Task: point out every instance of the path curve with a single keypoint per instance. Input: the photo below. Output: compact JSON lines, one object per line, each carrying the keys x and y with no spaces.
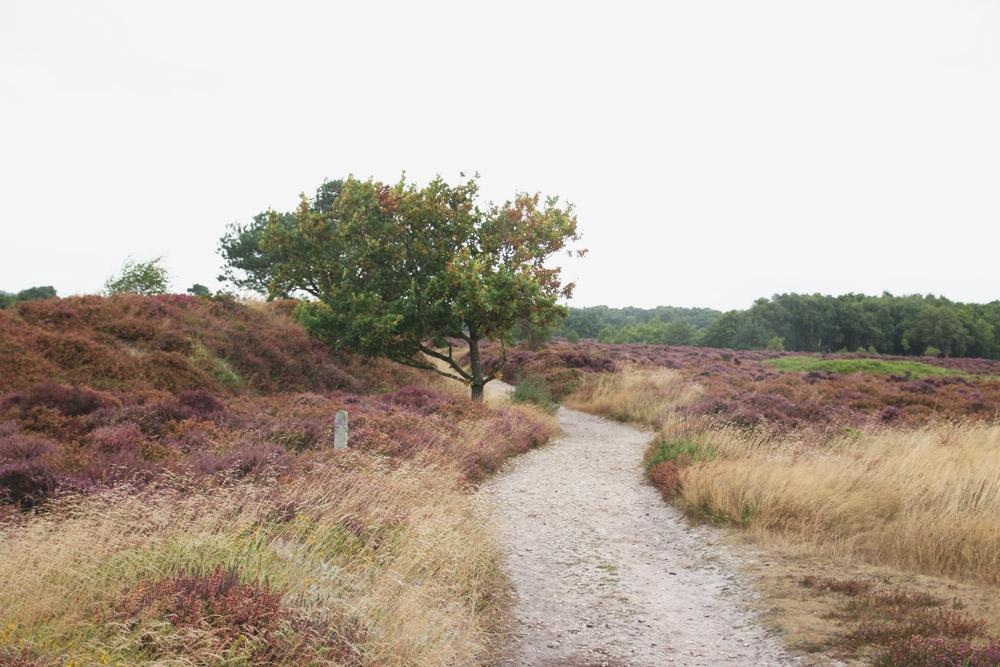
{"x":604,"y":572}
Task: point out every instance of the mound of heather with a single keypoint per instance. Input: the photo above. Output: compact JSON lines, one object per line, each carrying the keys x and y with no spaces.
{"x":170,"y":343}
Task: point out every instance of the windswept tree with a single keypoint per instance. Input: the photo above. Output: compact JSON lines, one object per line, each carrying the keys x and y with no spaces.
{"x":401,"y":272}
{"x":146,"y":278}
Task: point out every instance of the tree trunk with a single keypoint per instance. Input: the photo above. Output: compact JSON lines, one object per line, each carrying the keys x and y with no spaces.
{"x":475,"y":367}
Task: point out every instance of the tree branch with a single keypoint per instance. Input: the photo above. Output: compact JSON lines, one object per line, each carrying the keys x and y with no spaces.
{"x":429,"y":367}
{"x":447,"y":359}
{"x":501,"y":362}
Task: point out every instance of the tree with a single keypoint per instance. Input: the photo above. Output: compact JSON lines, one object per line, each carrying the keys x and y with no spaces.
{"x":7,"y":300}
{"x":248,"y":266}
{"x":532,"y":336}
{"x":146,"y":278}
{"x":40,"y":292}
{"x":199,"y":290}
{"x":401,"y":272}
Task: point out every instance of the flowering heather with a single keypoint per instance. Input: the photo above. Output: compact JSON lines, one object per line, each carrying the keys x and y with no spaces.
{"x":169,"y":491}
{"x":906,"y":628}
{"x":170,"y":342}
{"x":138,"y":438}
{"x":742,"y":390}
{"x":228,"y":614}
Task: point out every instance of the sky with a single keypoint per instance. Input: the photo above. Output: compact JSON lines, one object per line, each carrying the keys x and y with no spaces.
{"x":715,"y":151}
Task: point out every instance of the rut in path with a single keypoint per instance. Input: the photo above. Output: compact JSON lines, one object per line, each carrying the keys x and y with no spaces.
{"x":606,"y":573}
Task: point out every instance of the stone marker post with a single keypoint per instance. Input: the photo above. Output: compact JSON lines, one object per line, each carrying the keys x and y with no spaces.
{"x":340,"y":430}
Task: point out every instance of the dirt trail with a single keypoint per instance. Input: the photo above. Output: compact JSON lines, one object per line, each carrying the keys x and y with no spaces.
{"x":604,"y":572}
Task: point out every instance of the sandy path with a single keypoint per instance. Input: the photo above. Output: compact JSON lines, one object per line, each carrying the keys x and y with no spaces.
{"x":604,"y":572}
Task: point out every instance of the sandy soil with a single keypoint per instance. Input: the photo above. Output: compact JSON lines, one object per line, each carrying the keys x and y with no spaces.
{"x":604,"y":572}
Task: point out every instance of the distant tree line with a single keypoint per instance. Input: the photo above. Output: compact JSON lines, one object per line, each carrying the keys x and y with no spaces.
{"x":663,"y":325}
{"x":7,"y":299}
{"x":900,"y":325}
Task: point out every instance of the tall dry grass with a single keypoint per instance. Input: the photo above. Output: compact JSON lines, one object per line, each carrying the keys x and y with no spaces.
{"x":642,"y":395}
{"x":926,"y":500}
{"x":391,"y":558}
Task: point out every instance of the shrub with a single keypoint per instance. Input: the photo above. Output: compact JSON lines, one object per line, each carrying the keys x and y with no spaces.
{"x":16,"y":446}
{"x":667,"y":477}
{"x":533,"y":389}
{"x":682,"y":450}
{"x":415,"y":399}
{"x":69,"y":401}
{"x":27,"y":484}
{"x":19,"y":659}
{"x":889,"y":414}
{"x":145,"y":278}
{"x":201,"y":403}
{"x":933,"y":651}
{"x":217,"y":600}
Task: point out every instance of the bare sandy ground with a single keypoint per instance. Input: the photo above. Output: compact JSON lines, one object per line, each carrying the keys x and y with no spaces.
{"x":604,"y":572}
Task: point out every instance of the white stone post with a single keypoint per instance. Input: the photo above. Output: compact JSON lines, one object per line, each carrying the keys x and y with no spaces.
{"x":340,"y":430}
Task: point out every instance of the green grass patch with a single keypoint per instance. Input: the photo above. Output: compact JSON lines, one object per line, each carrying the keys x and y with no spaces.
{"x":684,"y":449}
{"x":846,"y":366}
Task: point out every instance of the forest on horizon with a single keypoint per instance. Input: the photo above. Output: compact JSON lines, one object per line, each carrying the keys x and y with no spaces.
{"x":912,"y":325}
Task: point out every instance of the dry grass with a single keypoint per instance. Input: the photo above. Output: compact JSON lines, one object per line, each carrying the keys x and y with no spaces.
{"x":496,"y":394}
{"x":393,"y":561}
{"x":808,"y":619}
{"x":926,"y":500}
{"x":642,"y":395}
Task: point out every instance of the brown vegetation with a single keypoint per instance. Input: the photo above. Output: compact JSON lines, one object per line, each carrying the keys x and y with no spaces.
{"x":191,"y":509}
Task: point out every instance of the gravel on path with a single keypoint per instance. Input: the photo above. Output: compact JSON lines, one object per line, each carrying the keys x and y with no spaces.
{"x":606,"y":573}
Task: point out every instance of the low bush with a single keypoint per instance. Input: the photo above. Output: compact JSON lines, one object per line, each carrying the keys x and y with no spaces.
{"x":905,"y":627}
{"x":533,"y":389}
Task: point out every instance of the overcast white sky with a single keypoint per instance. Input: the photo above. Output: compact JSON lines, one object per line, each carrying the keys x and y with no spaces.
{"x":716,"y":151}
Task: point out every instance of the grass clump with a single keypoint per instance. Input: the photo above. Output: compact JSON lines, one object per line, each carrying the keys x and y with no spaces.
{"x":667,"y":459}
{"x":533,"y":389}
{"x":635,"y":394}
{"x":913,"y":369}
{"x":925,"y":500}
{"x":683,"y":449}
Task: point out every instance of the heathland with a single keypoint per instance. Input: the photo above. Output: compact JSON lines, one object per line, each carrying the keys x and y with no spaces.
{"x":169,"y":493}
{"x":875,"y":480}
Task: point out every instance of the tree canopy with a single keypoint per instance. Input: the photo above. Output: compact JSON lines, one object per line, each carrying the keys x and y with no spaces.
{"x":7,"y":299}
{"x":903,"y":325}
{"x":146,"y":278}
{"x":248,"y":266}
{"x":403,"y":272}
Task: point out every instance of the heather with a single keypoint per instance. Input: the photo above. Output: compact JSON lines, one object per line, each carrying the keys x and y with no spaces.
{"x":49,"y":444}
{"x":170,"y":493}
{"x":753,"y":389}
{"x":901,"y":627}
{"x":170,"y":342}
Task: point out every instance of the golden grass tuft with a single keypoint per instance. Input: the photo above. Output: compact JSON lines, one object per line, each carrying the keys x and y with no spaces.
{"x":639,"y":395}
{"x":927,"y":500}
{"x":391,"y":557}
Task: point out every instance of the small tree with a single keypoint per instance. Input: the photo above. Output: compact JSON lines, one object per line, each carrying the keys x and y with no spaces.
{"x":146,"y":278}
{"x":198,"y":290}
{"x":401,"y":272}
